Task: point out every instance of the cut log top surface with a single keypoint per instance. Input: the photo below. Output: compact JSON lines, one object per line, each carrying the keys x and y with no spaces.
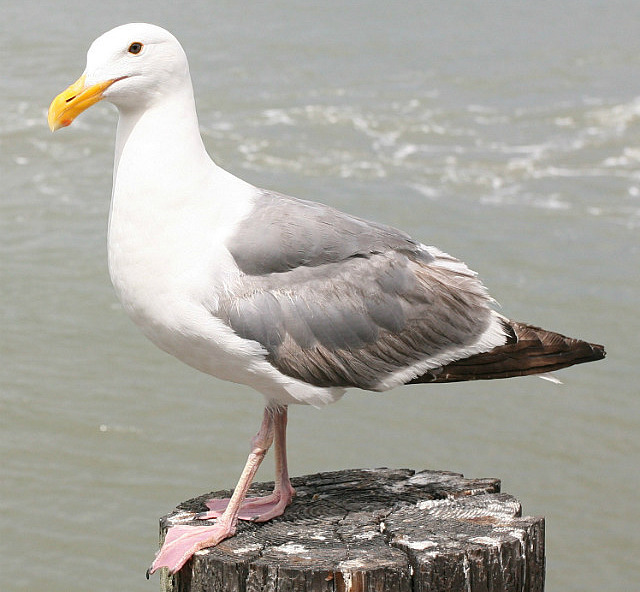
{"x":392,"y":530}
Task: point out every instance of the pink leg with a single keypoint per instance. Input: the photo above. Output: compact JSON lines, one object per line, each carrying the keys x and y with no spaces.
{"x":261,"y":509}
{"x":182,"y":541}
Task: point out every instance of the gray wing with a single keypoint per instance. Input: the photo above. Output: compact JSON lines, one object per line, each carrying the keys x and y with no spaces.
{"x":338,"y":301}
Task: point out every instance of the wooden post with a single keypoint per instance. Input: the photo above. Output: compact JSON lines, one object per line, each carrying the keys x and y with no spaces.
{"x":386,"y":530}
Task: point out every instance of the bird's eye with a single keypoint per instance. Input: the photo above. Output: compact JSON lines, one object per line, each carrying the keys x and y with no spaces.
{"x":135,"y":47}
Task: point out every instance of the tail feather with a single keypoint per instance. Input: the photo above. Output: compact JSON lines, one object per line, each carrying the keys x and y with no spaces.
{"x":529,"y":350}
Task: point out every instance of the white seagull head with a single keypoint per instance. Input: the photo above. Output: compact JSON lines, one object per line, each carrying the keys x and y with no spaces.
{"x":131,"y":66}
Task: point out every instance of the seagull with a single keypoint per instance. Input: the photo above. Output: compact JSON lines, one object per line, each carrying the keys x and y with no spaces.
{"x":293,"y":298}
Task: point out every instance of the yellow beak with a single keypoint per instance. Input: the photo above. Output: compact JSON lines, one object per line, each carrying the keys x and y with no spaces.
{"x":73,"y":101}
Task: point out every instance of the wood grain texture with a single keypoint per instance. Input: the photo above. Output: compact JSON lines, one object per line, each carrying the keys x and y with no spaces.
{"x":386,"y":530}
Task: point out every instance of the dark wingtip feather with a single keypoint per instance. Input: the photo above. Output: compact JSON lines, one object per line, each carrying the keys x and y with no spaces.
{"x":528,"y":350}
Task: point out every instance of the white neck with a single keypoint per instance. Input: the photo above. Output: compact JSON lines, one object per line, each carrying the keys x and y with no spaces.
{"x":162,"y":140}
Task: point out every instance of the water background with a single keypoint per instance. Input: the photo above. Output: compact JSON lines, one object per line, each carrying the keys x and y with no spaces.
{"x":505,"y":133}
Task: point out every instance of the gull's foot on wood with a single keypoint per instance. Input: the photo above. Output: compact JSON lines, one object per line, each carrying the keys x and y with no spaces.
{"x":254,"y":509}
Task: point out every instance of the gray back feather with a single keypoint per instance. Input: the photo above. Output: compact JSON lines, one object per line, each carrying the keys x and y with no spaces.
{"x":282,"y":233}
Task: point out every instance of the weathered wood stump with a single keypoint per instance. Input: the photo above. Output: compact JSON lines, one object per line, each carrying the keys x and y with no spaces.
{"x":385,"y":530}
